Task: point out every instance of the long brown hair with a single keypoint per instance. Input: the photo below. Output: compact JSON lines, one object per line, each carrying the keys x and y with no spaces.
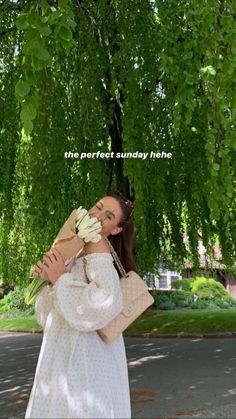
{"x":124,"y":242}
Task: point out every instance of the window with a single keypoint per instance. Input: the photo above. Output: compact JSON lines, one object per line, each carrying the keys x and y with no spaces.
{"x":163,"y":281}
{"x":174,"y":277}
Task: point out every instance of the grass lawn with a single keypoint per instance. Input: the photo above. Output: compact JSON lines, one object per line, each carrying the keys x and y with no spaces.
{"x":161,"y":322}
{"x":20,"y":324}
{"x":185,"y":321}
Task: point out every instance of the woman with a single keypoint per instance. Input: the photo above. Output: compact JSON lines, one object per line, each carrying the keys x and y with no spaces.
{"x":78,"y":375}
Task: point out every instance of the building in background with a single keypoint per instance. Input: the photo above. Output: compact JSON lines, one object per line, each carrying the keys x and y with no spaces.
{"x":210,"y":266}
{"x":162,"y":280}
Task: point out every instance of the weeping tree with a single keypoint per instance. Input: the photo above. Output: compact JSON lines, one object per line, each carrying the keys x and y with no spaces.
{"x":118,"y":76}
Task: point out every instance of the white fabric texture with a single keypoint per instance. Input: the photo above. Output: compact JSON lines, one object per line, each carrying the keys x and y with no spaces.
{"x":77,"y":374}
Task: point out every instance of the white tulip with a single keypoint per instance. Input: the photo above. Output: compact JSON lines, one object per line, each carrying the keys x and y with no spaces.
{"x":81,"y":212}
{"x":96,"y":238}
{"x":87,"y":227}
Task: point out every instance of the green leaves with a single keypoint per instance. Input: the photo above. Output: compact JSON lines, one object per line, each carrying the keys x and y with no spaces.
{"x":22,"y":21}
{"x":28,"y":112}
{"x":129,"y":78}
{"x":65,"y":36}
{"x":65,"y":33}
{"x":28,"y":126}
{"x":34,"y":19}
{"x":42,"y":28}
{"x":208,"y":71}
{"x":45,"y":30}
{"x":42,"y":54}
{"x":22,"y":89}
{"x":30,"y":76}
{"x":216,"y":167}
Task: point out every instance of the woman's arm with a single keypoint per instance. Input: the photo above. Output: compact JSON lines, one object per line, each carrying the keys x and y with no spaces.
{"x":89,"y":306}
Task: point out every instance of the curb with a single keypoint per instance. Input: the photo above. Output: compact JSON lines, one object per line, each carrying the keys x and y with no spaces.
{"x":180,"y":335}
{"x":20,"y":331}
{"x":183,"y":335}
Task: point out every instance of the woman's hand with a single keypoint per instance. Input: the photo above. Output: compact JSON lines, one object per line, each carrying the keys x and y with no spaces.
{"x":53,"y":266}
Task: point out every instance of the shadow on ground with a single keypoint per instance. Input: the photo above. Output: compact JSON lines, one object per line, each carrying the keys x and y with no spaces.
{"x":169,"y":378}
{"x":18,"y":360}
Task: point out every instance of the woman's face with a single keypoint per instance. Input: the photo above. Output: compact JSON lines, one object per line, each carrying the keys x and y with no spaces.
{"x":108,"y":211}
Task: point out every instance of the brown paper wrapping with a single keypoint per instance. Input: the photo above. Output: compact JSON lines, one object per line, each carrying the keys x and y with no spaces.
{"x":67,"y":242}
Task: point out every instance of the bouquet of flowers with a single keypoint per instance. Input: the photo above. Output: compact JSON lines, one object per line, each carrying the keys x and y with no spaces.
{"x":78,"y":229}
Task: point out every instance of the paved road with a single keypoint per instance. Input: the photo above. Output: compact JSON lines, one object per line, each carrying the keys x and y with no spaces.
{"x":169,"y":378}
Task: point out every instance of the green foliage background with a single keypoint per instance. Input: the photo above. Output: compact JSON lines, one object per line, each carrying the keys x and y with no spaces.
{"x":119,"y":76}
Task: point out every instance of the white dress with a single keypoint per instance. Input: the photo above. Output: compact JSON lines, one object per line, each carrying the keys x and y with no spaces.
{"x":78,"y":375}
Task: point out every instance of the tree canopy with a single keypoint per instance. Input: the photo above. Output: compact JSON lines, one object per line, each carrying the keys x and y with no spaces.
{"x":118,"y":76}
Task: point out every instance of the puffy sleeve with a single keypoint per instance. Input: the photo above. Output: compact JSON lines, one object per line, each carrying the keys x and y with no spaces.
{"x":43,"y":305}
{"x":89,"y":306}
